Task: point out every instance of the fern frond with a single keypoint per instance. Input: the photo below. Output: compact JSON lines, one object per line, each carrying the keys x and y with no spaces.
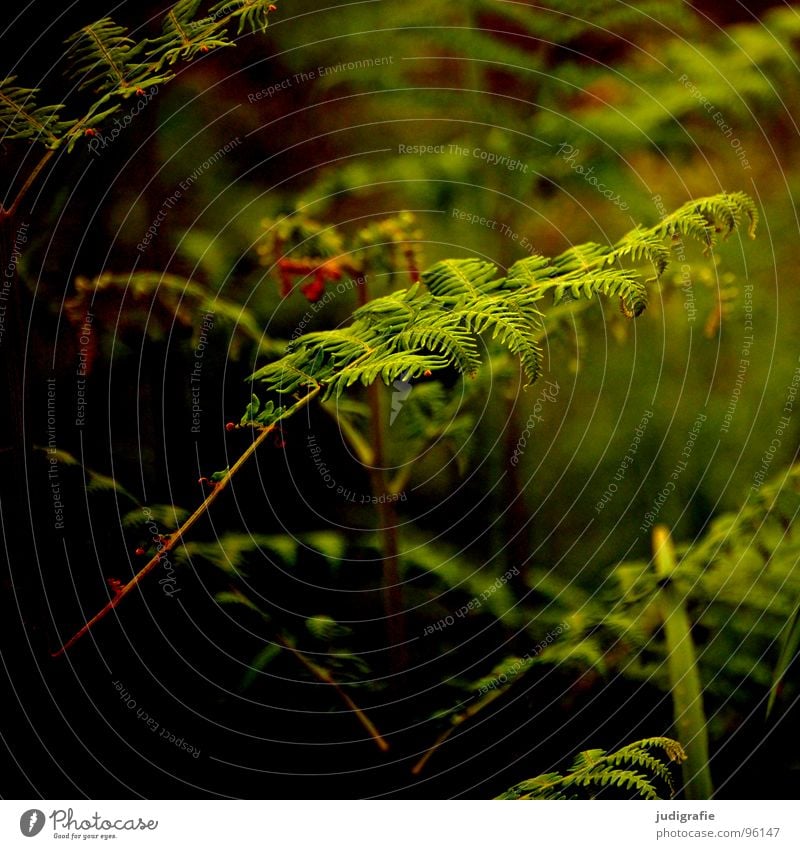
{"x":399,"y":308}
{"x":708,"y":218}
{"x":251,"y":14}
{"x":582,"y":258}
{"x":585,"y":270}
{"x":621,"y":282}
{"x":530,"y":271}
{"x":633,"y":769}
{"x":184,"y":36}
{"x":340,"y":345}
{"x":637,"y":755}
{"x":643,"y":244}
{"x":435,"y":323}
{"x":21,"y":118}
{"x":726,"y":212}
{"x":104,"y":57}
{"x":588,"y":759}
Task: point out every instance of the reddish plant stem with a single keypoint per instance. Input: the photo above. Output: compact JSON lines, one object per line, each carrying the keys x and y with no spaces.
{"x":25,"y":188}
{"x":411,"y":261}
{"x":387,"y":533}
{"x":387,"y":522}
{"x":181,"y":532}
{"x":476,"y":707}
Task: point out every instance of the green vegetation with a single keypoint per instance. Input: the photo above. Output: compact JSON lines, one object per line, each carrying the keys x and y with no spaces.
{"x":422,"y":362}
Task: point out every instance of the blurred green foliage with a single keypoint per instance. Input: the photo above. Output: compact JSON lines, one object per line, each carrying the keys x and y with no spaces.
{"x":496,"y":124}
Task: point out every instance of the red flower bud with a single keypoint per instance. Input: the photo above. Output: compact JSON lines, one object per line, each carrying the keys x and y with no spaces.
{"x":139,"y":551}
{"x":314,"y":289}
{"x":230,"y":426}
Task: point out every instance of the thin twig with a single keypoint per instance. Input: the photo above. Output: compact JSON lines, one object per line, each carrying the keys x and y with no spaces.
{"x":325,"y":676}
{"x":473,"y":709}
{"x":12,"y":210}
{"x":178,"y":535}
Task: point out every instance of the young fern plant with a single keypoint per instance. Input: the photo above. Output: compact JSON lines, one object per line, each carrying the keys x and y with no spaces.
{"x":633,"y":772}
{"x":441,"y":322}
{"x":699,"y":621}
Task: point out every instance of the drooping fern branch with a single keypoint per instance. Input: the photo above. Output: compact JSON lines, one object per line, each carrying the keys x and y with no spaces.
{"x":633,"y":771}
{"x":106,"y":60}
{"x":438,"y":322}
{"x":216,"y":488}
{"x":177,"y":299}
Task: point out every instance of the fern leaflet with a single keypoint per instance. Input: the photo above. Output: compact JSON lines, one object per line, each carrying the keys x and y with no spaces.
{"x":21,"y":118}
{"x":184,"y":36}
{"x":105,"y":57}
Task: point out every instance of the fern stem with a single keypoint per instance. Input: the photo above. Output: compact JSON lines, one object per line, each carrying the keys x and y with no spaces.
{"x":387,"y":534}
{"x":181,"y":532}
{"x":325,"y":676}
{"x":25,"y":188}
{"x":687,"y":693}
{"x":474,"y":708}
{"x":437,"y":743}
{"x":387,"y":519}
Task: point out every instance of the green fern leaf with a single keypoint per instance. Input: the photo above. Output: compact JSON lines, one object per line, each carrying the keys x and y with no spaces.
{"x":414,"y":331}
{"x":513,"y":320}
{"x":449,"y":336}
{"x":585,"y":270}
{"x":634,"y":770}
{"x":453,"y":278}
